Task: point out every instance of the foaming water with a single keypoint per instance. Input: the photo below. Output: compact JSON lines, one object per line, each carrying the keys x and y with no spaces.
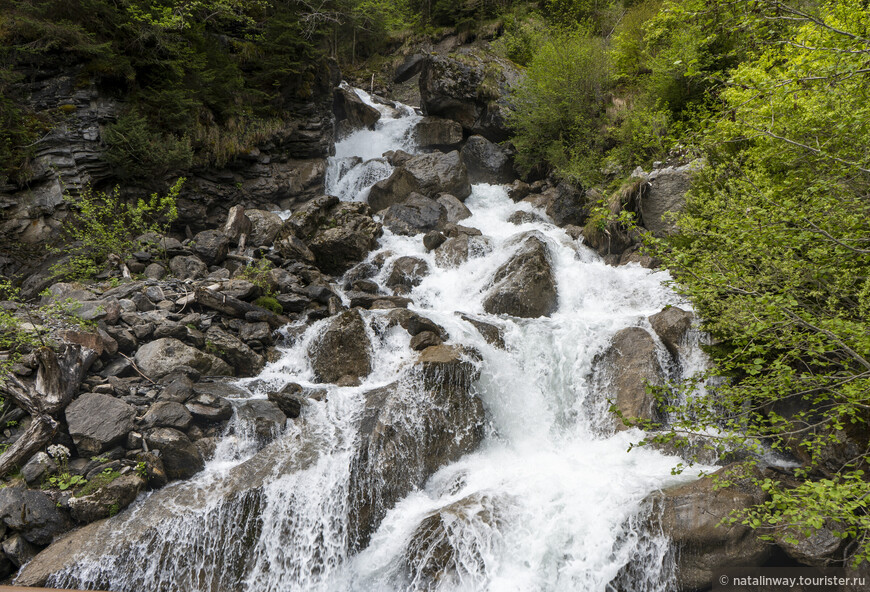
{"x":550,"y":501}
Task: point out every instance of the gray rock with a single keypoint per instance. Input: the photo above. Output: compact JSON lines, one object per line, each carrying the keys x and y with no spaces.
{"x":427,"y":174}
{"x":566,"y":205}
{"x":671,"y":325}
{"x":209,"y":408}
{"x":415,"y":215}
{"x":414,"y":323}
{"x":97,"y":422}
{"x":167,"y":414}
{"x":349,"y":107}
{"x":211,"y":246}
{"x":456,"y":210}
{"x":237,"y":224}
{"x":267,"y":417}
{"x":32,"y":514}
{"x":524,"y":286}
{"x":629,"y":364}
{"x":180,"y":457}
{"x":436,"y":132}
{"x":264,"y":227}
{"x":342,"y":349}
{"x":491,"y":334}
{"x":19,"y":550}
{"x":107,"y":500}
{"x":690,"y":515}
{"x":188,"y":267}
{"x":159,"y":358}
{"x":470,"y":89}
{"x":822,"y":548}
{"x":433,"y":239}
{"x":487,"y":162}
{"x":523,"y":217}
{"x":290,"y":247}
{"x":425,"y":339}
{"x":244,"y":360}
{"x":38,"y":468}
{"x":666,"y":193}
{"x":289,"y":399}
{"x":407,"y":272}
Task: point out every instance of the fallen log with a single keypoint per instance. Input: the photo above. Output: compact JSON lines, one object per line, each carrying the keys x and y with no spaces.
{"x":234,"y":307}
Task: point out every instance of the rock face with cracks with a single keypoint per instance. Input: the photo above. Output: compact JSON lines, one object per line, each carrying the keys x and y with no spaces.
{"x":525,"y":286}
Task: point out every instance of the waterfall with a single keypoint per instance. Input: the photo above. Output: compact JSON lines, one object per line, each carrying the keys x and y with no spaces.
{"x":550,"y":501}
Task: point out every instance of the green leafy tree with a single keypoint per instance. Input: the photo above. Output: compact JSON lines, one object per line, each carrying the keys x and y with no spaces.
{"x":774,"y":253}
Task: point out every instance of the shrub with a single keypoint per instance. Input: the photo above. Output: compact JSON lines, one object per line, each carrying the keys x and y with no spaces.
{"x":101,"y":225}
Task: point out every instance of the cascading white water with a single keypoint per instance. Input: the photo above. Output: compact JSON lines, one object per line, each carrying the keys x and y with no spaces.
{"x":550,"y":501}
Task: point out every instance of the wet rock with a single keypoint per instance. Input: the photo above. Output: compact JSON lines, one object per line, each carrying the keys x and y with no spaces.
{"x":415,"y":323}
{"x":671,"y":325}
{"x":244,"y":360}
{"x":264,"y":227}
{"x":167,"y":414}
{"x":433,"y":239}
{"x":435,"y":132}
{"x":432,"y":554}
{"x":427,"y":174}
{"x":454,"y":209}
{"x":459,"y":248}
{"x":398,"y":453}
{"x":407,"y":272}
{"x":415,"y":215}
{"x":630,"y":363}
{"x":366,"y":300}
{"x":38,"y":468}
{"x":524,"y":286}
{"x":180,"y":457}
{"x":487,"y":162}
{"x":425,"y":339}
{"x":188,"y":267}
{"x":107,"y":500}
{"x":349,"y":107}
{"x":158,"y":358}
{"x":267,"y":417}
{"x":211,"y":246}
{"x":490,"y":332}
{"x":523,"y":217}
{"x":289,"y":399}
{"x":32,"y":514}
{"x":519,"y":190}
{"x":690,"y":515}
{"x":342,"y":349}
{"x":96,"y":422}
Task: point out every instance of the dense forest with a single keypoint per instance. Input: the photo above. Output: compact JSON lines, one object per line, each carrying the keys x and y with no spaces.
{"x":772,"y":97}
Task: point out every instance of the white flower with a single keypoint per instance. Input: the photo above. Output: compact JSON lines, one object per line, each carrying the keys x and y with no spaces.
{"x":58,"y":451}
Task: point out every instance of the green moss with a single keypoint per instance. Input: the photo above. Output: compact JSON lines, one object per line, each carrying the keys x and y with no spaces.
{"x":269,"y":303}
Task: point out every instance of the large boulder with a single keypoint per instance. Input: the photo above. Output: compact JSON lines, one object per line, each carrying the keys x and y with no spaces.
{"x":181,"y":458}
{"x":338,"y":234}
{"x":32,"y":514}
{"x":428,"y":174}
{"x":525,"y":286}
{"x":456,"y":210}
{"x":107,"y":500}
{"x":487,"y":162}
{"x":167,"y":414}
{"x":471,"y":88}
{"x":211,"y":246}
{"x":264,"y":227}
{"x":96,"y":422}
{"x":397,"y":453}
{"x":665,"y":196}
{"x":158,"y":358}
{"x":671,"y":325}
{"x":415,"y":215}
{"x":691,"y":515}
{"x":349,"y":107}
{"x":407,"y":272}
{"x":265,"y":417}
{"x":342,"y":350}
{"x":436,"y":132}
{"x":244,"y":360}
{"x":628,"y":365}
{"x":566,"y":205}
